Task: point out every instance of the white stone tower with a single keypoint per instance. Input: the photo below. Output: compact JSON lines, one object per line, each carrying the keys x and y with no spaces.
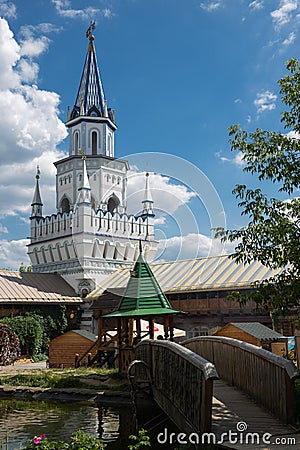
{"x":90,"y":235}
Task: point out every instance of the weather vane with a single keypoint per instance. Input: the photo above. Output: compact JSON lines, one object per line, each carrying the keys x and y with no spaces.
{"x":90,"y":29}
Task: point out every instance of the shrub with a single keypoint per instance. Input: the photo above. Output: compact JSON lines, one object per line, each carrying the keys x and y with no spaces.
{"x":79,"y":441}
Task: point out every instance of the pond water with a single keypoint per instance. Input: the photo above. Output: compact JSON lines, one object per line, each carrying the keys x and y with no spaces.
{"x":23,"y":419}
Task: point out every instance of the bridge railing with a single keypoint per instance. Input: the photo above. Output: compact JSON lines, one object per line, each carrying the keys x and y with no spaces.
{"x":182,"y":383}
{"x":264,"y":376}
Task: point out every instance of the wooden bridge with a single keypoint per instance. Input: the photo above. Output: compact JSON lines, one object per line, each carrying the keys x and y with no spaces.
{"x":182,"y":379}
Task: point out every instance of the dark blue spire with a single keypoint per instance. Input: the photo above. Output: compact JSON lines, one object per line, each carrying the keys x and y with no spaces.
{"x":90,"y":92}
{"x":90,"y":100}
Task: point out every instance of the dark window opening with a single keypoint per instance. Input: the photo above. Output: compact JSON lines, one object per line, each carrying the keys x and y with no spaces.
{"x":94,"y":143}
{"x":65,"y":206}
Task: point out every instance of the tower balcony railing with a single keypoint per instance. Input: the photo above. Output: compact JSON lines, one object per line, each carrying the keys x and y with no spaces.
{"x":100,"y":222}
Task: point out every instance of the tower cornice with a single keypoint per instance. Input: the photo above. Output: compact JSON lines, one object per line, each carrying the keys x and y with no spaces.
{"x":80,"y":119}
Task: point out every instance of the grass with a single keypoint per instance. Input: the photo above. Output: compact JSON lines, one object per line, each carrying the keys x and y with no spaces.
{"x":86,"y":378}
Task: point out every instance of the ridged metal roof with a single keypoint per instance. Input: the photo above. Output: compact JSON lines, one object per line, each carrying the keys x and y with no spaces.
{"x":28,"y":287}
{"x":256,"y":329}
{"x":143,"y":295}
{"x":200,"y":274}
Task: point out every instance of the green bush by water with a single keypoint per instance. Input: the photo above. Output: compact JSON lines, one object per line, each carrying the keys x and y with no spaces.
{"x":82,"y":441}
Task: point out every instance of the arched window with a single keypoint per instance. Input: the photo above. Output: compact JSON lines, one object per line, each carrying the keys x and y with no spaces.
{"x":76,"y":142}
{"x":112,"y":203}
{"x":65,"y":205}
{"x":94,"y":143}
{"x":197,"y":331}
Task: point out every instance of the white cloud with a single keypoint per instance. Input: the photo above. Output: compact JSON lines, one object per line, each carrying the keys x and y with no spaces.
{"x":64,"y":9}
{"x":3,"y":229}
{"x":30,"y":131}
{"x":167,"y":195}
{"x":13,"y":253}
{"x":211,"y":6}
{"x":284,"y":13}
{"x":256,"y":4}
{"x":265,"y":101}
{"x":192,"y":245}
{"x":238,"y":100}
{"x":162,"y":220}
{"x":237,"y":160}
{"x":290,"y":39}
{"x":107,"y":13}
{"x":293,"y":135}
{"x":43,"y":27}
{"x":31,"y":42}
{"x":16,"y":198}
{"x":10,"y":55}
{"x":8,"y":9}
{"x":34,"y":47}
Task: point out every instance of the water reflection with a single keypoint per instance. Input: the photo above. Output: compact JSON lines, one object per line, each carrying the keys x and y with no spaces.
{"x":22,"y":419}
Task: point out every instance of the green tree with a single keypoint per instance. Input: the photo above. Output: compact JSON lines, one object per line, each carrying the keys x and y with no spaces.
{"x":29,"y":330}
{"x":272,"y":235}
{"x":36,"y":328}
{"x":24,"y":268}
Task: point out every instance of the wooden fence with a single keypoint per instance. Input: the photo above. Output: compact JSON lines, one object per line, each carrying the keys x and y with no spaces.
{"x":182,"y":383}
{"x":266,"y":377}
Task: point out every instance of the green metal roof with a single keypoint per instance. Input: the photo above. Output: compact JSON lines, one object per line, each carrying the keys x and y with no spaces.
{"x":143,"y":295}
{"x":257,"y":330}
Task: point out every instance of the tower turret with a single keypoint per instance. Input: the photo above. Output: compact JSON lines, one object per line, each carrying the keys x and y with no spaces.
{"x":147,"y":202}
{"x":91,"y":124}
{"x":37,"y":204}
{"x":90,"y":235}
{"x":85,"y":189}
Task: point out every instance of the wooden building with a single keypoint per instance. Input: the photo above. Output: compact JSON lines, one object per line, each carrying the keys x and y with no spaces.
{"x":21,"y":292}
{"x":254,"y":333}
{"x":63,"y":349}
{"x":200,"y":288}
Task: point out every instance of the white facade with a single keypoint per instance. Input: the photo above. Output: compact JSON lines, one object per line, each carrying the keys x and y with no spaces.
{"x":90,"y":235}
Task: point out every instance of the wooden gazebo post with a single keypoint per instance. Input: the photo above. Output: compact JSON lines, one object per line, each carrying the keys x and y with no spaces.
{"x":143,"y":298}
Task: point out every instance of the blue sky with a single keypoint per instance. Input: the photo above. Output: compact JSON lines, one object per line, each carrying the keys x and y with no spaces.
{"x":177,"y":73}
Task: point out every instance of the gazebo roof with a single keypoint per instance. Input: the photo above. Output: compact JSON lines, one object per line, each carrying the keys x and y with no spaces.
{"x":143,"y":295}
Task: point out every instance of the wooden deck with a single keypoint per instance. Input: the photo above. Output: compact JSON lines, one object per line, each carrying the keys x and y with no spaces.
{"x":231,"y":406}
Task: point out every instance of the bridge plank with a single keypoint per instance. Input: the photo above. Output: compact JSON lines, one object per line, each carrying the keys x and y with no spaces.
{"x":231,"y":406}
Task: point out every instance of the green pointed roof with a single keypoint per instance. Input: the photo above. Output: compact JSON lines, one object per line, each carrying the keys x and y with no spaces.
{"x":143,"y":295}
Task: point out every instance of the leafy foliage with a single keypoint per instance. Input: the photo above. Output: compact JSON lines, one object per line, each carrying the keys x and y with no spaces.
{"x":82,"y":441}
{"x":79,"y":441}
{"x":37,"y":328}
{"x":24,"y":268}
{"x":272,"y":235}
{"x":29,"y":330}
{"x":141,"y":440}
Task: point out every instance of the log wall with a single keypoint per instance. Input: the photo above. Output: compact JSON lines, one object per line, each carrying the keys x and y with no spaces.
{"x":62,"y":350}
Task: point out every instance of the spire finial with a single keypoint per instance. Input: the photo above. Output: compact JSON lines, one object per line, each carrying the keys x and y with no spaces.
{"x":90,"y":36}
{"x":89,"y":31}
{"x":38,"y":172}
{"x":141,"y":248}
